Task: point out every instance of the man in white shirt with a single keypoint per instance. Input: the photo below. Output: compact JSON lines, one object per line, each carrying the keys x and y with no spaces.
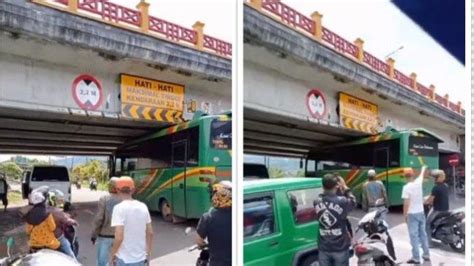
{"x":133,"y":231}
{"x":414,"y":214}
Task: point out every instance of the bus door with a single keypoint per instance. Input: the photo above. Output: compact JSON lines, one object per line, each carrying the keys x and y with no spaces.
{"x":381,"y":161}
{"x":178,"y":185}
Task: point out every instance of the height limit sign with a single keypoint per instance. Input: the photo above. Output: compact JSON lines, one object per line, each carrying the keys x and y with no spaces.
{"x":87,"y":92}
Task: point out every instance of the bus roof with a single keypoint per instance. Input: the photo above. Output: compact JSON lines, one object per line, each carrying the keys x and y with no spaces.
{"x":264,"y":185}
{"x":390,"y":134}
{"x":199,"y":116}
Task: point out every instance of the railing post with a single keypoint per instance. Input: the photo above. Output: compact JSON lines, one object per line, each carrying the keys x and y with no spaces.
{"x":318,"y":26}
{"x":143,"y":7}
{"x":432,"y":90}
{"x":459,"y":107}
{"x":447,"y":100}
{"x":257,"y":4}
{"x":391,"y":67}
{"x":360,"y":49}
{"x":72,"y":5}
{"x":413,"y":81}
{"x":199,"y":28}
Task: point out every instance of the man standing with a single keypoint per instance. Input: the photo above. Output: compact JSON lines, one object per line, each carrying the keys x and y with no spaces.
{"x":413,"y":212}
{"x":374,"y":195}
{"x":331,"y":212}
{"x":216,"y":226}
{"x":439,"y":198}
{"x":133,"y":231}
{"x":102,"y":232}
{"x":4,"y":191}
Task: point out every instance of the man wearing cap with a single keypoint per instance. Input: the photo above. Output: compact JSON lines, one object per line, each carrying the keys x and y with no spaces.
{"x":439,"y":199}
{"x":133,"y":232}
{"x":374,"y":195}
{"x":414,"y":214}
{"x":102,"y":232}
{"x":331,"y":212}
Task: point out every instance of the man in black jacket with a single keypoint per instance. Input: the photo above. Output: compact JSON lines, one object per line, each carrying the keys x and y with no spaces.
{"x":331,"y":212}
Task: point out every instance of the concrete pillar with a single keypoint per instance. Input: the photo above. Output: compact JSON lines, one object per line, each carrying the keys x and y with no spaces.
{"x":413,"y":81}
{"x":391,"y":67}
{"x":72,"y":5}
{"x":143,"y":7}
{"x":257,"y":4}
{"x":433,"y":94}
{"x":318,"y":26}
{"x":199,"y":28}
{"x":447,"y":100}
{"x":360,"y":46}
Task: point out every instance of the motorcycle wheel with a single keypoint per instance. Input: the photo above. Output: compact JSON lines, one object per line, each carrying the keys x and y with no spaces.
{"x":459,"y":245}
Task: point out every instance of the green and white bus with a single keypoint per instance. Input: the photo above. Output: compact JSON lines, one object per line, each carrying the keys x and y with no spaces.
{"x":389,"y":153}
{"x":173,"y":168}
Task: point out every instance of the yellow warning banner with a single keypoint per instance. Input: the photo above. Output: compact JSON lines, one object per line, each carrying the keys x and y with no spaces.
{"x":358,"y":114}
{"x":151,"y":93}
{"x":151,"y":113}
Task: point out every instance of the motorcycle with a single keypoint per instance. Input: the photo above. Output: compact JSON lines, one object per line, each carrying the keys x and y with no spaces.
{"x":93,"y":185}
{"x":203,"y":259}
{"x":376,"y":247}
{"x":449,"y":229}
{"x":41,"y":257}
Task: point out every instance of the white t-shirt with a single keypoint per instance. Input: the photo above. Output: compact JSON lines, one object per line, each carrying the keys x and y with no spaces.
{"x":414,"y":192}
{"x":134,"y":216}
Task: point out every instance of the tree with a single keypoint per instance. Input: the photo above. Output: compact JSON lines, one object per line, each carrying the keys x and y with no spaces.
{"x":276,"y":172}
{"x":11,"y":170}
{"x":93,"y":168}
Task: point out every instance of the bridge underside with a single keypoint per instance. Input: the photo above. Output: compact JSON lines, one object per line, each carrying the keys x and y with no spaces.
{"x":269,"y":133}
{"x":48,"y":133}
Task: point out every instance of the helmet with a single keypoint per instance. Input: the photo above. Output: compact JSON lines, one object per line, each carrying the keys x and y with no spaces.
{"x":222,"y":194}
{"x":55,"y":198}
{"x":36,"y":197}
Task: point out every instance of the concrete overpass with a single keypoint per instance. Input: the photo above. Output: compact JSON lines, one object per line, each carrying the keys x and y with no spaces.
{"x":49,"y":46}
{"x":287,"y":55}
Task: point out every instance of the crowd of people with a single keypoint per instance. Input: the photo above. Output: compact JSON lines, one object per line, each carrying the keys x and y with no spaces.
{"x":337,"y":201}
{"x":122,"y":228}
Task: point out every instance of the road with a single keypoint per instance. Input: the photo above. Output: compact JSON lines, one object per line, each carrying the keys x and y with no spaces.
{"x":169,"y":245}
{"x":441,"y":255}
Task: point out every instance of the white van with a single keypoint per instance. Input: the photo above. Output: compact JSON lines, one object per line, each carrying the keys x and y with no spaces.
{"x":55,"y":177}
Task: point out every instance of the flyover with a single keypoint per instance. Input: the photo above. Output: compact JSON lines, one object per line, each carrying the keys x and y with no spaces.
{"x":295,"y":71}
{"x":64,"y":70}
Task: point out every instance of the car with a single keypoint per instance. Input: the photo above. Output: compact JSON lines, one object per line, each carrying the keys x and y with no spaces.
{"x":280,"y":225}
{"x":53,"y":176}
{"x":255,"y":171}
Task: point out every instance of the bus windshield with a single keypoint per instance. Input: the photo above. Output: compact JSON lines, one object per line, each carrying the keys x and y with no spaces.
{"x":221,"y":135}
{"x":421,"y":146}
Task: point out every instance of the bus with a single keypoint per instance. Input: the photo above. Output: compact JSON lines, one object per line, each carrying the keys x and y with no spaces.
{"x":174,"y":168}
{"x":389,"y":153}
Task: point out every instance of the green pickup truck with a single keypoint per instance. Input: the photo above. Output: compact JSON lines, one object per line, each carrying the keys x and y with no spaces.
{"x":280,"y":226}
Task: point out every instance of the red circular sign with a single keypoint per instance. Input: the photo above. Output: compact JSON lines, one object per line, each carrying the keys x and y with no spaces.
{"x":87,"y":92}
{"x":316,"y":104}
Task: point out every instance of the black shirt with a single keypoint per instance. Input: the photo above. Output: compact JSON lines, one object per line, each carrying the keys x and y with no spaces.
{"x":331,"y":212}
{"x":440,"y":192}
{"x":216,"y":226}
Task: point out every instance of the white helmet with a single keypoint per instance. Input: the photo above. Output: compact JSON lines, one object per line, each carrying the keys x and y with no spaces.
{"x":36,"y":197}
{"x":371,"y":172}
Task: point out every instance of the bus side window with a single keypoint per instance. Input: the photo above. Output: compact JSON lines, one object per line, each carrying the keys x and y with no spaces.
{"x":193,"y":147}
{"x":118,"y":166}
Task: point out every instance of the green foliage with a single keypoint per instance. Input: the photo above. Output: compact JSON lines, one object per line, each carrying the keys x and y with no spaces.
{"x":93,"y":168}
{"x":276,"y":172}
{"x":11,"y":170}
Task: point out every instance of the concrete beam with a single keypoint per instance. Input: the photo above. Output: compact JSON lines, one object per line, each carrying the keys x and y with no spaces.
{"x":53,"y":152}
{"x":277,"y":138}
{"x":54,"y":143}
{"x":283,"y":41}
{"x":63,"y":137}
{"x":26,"y":18}
{"x":272,"y":152}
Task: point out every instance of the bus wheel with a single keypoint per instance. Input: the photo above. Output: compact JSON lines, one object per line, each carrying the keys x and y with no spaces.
{"x":165,"y":210}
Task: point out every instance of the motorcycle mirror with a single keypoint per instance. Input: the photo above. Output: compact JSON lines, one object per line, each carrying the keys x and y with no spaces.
{"x":188,"y":230}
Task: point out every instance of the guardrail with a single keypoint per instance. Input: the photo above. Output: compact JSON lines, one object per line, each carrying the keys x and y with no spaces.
{"x":312,"y":26}
{"x":140,"y":20}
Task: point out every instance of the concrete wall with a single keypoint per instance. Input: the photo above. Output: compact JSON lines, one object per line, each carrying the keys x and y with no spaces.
{"x":45,"y":79}
{"x":270,"y":86}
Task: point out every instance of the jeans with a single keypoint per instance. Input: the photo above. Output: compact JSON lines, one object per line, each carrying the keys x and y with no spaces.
{"x":120,"y":262}
{"x":431,"y":217}
{"x":417,"y":231}
{"x":340,"y":258}
{"x":103,"y":247}
{"x":65,"y":246}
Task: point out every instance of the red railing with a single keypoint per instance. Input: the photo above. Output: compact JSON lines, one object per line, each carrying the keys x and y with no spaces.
{"x":307,"y":25}
{"x":109,"y":11}
{"x":289,"y":15}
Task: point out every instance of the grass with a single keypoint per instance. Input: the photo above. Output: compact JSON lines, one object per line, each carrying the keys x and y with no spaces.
{"x":14,"y":197}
